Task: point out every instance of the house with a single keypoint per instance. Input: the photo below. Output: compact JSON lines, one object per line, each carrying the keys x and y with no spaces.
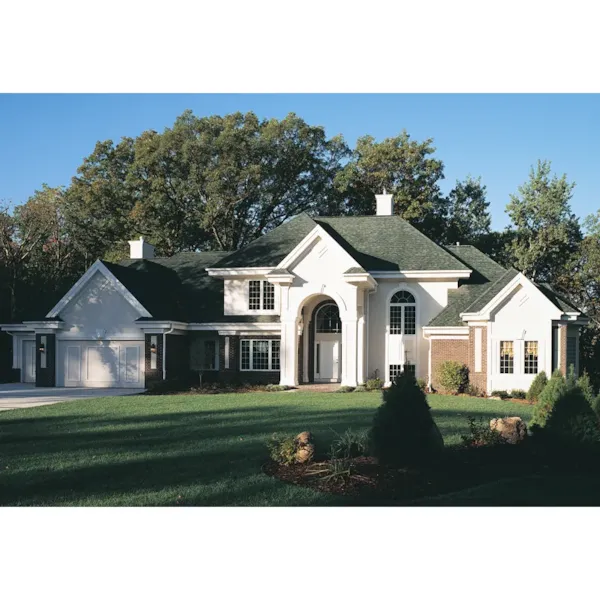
{"x":323,"y":299}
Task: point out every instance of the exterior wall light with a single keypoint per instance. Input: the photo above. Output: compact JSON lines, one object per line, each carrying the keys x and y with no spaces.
{"x":153,"y":348}
{"x":42,"y":347}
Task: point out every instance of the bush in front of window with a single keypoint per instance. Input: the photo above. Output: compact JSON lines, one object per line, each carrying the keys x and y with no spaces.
{"x":374,"y":384}
{"x":453,"y":377}
{"x":555,"y":388}
{"x":537,"y":386}
{"x":403,"y":431}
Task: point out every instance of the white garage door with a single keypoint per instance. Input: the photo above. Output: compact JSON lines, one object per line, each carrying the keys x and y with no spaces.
{"x":100,"y":364}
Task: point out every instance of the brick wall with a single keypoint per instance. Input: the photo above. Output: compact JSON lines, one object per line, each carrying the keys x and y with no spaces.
{"x":562,"y":334}
{"x":443,"y":350}
{"x":45,"y":377}
{"x":234,"y":374}
{"x":479,"y":380}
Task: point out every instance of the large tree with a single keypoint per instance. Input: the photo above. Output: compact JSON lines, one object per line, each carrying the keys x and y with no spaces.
{"x":467,"y":219}
{"x":546,"y":232}
{"x":405,"y":168}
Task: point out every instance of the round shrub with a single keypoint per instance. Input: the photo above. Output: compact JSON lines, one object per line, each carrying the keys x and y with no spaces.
{"x":537,"y":386}
{"x":403,"y":431}
{"x":374,"y":384}
{"x":519,"y":394}
{"x":453,"y":376}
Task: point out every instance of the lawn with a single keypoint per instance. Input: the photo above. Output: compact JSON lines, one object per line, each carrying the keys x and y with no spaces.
{"x":185,"y":450}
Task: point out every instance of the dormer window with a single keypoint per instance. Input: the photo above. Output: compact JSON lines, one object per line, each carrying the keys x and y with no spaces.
{"x":261,"y":295}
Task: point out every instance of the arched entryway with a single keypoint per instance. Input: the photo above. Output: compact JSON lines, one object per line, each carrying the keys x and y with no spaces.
{"x":326,"y":346}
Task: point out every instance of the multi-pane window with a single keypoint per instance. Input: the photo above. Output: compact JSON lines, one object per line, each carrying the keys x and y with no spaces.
{"x":507,"y":357}
{"x":530,"y":365}
{"x":260,"y":355}
{"x":261,"y":295}
{"x":328,"y":319}
{"x":395,"y":370}
{"x":403,"y":313}
{"x":209,"y":360}
{"x":571,"y":352}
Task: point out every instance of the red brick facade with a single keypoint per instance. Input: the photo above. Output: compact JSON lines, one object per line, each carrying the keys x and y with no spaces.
{"x":479,"y":380}
{"x":443,"y":350}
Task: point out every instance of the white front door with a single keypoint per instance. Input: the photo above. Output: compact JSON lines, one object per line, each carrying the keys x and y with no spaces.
{"x":29,"y":361}
{"x":327,"y":360}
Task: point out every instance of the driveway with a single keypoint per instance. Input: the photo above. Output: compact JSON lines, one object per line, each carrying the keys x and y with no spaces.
{"x":25,"y":395}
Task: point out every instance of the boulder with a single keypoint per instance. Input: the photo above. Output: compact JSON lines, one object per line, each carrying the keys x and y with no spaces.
{"x":305,"y":449}
{"x":512,"y":429}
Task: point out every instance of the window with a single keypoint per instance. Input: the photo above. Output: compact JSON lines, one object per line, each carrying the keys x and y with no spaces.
{"x":209,"y":360}
{"x":531,"y":358}
{"x":571,"y":352}
{"x":395,"y":370}
{"x":328,"y":319}
{"x":507,"y":357}
{"x":261,"y":295}
{"x":260,"y":355}
{"x":403,"y":314}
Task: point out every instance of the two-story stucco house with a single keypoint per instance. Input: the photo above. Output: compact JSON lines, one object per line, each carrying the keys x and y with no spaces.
{"x":323,"y":299}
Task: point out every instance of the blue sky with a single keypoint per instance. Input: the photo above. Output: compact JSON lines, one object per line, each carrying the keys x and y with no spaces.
{"x":43,"y":138}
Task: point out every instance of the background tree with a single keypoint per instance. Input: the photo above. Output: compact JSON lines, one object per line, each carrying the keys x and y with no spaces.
{"x":468,"y":220}
{"x":546,"y":232}
{"x":406,"y":169}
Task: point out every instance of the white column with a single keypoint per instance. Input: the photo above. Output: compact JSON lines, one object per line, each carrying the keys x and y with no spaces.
{"x":349,"y":351}
{"x":360,"y":346}
{"x":305,"y":351}
{"x":289,"y":353}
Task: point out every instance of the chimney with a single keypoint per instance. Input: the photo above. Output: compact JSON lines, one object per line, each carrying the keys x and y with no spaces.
{"x":385,"y":204}
{"x":140,"y":249}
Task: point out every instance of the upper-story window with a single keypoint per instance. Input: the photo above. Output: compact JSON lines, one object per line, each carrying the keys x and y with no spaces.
{"x":261,"y":295}
{"x":403,"y":313}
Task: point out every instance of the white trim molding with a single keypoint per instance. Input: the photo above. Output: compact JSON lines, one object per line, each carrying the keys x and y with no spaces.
{"x":423,"y":275}
{"x":236,"y":328}
{"x":98,"y":267}
{"x":235,"y":272}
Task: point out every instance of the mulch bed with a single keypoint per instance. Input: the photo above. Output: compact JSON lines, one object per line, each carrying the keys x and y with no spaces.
{"x":371,"y":483}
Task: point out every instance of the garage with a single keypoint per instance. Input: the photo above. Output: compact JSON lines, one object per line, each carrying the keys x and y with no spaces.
{"x":97,"y":364}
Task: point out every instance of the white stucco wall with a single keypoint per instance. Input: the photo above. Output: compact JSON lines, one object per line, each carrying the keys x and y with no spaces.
{"x":236,"y":297}
{"x":431,"y":297}
{"x":100,"y":306}
{"x":526,"y":316}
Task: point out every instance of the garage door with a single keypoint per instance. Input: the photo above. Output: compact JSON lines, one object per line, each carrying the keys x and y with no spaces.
{"x":100,"y":364}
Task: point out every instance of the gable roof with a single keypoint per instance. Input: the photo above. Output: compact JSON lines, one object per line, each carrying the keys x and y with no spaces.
{"x":487,"y":275}
{"x":376,"y":243}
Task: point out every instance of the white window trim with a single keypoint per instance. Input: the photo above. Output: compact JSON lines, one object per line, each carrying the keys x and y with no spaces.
{"x":261,"y":301}
{"x":252,"y":340}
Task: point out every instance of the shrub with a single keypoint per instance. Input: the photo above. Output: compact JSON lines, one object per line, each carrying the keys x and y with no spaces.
{"x":403,"y":431}
{"x":422,"y":384}
{"x":282,"y":448}
{"x":360,"y":388}
{"x":344,"y":389}
{"x":453,"y":376}
{"x":520,"y":394}
{"x":473,"y":390}
{"x":480,"y":434}
{"x":338,"y":468}
{"x":556,"y":387}
{"x":374,"y":384}
{"x":503,"y":394}
{"x":571,"y":422}
{"x":351,"y":444}
{"x":585,"y":385}
{"x":537,"y":386}
{"x":273,"y":387}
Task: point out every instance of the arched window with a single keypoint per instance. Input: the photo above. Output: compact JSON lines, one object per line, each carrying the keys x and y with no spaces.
{"x":328,"y":319}
{"x":403,"y":313}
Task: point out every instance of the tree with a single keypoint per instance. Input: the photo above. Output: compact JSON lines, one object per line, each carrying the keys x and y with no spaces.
{"x":546,"y":231}
{"x":468,"y":219}
{"x":406,"y":169}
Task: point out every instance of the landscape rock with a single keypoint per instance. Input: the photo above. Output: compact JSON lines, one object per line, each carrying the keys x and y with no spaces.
{"x":512,"y":429}
{"x":305,"y":447}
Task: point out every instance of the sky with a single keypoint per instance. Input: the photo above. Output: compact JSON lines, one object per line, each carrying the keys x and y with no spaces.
{"x":44,"y":138}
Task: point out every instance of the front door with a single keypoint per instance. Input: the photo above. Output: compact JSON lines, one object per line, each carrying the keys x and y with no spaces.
{"x":29,"y":361}
{"x":327,"y":360}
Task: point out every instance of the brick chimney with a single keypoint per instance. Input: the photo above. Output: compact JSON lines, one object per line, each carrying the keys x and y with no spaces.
{"x":140,"y":249}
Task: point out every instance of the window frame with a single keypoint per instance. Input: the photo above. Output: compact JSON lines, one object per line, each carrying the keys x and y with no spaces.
{"x":528,"y":364}
{"x":251,"y":342}
{"x":263,"y":296}
{"x":399,"y":308}
{"x":501,"y":366}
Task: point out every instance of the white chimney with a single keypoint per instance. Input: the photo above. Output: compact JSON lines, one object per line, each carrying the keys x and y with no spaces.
{"x":385,"y":204}
{"x":140,"y":249}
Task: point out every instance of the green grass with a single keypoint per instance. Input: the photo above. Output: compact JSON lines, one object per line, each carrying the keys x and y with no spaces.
{"x":185,"y":450}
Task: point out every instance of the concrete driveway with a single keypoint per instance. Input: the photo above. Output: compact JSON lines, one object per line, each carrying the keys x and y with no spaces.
{"x":26,"y":395}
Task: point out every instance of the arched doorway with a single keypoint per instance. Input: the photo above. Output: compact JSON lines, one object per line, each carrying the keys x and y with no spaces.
{"x":327,"y":346}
